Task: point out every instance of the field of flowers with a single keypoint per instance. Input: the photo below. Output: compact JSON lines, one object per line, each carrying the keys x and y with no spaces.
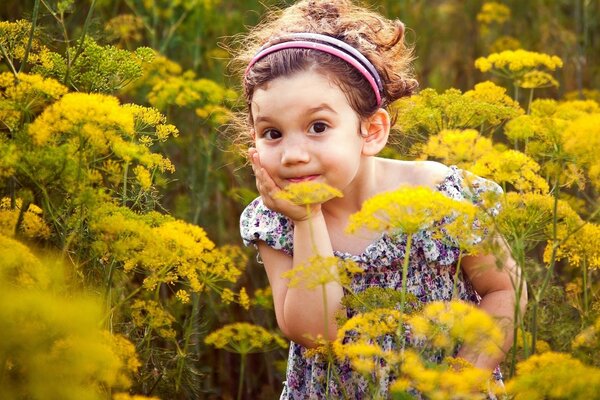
{"x":122,"y":270}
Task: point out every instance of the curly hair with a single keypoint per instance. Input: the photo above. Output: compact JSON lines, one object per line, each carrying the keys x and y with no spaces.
{"x":379,"y":39}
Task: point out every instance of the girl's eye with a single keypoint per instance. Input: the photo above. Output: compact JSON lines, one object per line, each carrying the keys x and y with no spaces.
{"x":271,"y":134}
{"x":318,"y":127}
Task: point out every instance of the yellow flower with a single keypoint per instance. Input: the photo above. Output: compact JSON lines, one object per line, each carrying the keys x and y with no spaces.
{"x":553,"y":375}
{"x":513,"y":64}
{"x":244,"y":338}
{"x":306,"y":193}
{"x":149,"y":314}
{"x":457,"y":147}
{"x":536,"y":79}
{"x":505,"y":43}
{"x":444,"y":325}
{"x":453,"y":379}
{"x":511,"y":167}
{"x":183,"y":296}
{"x":319,"y":270}
{"x":244,"y":300}
{"x":492,"y":11}
{"x":408,"y":210}
{"x":32,"y":224}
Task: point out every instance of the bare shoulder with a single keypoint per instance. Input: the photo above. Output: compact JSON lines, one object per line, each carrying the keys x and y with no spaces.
{"x":416,"y":173}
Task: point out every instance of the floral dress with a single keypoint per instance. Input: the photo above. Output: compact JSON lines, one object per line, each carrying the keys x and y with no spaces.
{"x":430,"y":278}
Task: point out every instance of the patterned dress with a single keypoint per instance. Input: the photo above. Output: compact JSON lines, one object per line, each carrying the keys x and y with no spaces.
{"x":430,"y":278}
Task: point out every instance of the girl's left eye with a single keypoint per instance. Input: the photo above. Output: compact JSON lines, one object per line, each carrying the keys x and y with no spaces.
{"x":318,"y":127}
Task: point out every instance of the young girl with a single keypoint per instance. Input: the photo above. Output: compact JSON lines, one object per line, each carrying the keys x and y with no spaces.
{"x":317,"y":79}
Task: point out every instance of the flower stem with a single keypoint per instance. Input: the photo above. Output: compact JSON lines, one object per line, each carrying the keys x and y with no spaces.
{"x":242,"y":372}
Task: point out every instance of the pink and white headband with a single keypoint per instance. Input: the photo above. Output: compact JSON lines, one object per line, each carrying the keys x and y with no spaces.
{"x":330,"y":45}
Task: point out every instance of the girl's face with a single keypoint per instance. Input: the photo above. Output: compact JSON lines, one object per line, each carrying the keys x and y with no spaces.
{"x":305,"y":129}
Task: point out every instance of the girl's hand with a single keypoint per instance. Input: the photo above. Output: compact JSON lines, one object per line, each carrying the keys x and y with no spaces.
{"x":268,"y":189}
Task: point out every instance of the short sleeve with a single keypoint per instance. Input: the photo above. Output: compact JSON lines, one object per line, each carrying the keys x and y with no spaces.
{"x":484,"y":193}
{"x":258,"y":223}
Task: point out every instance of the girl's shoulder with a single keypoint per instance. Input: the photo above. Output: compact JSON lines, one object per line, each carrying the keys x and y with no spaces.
{"x":414,"y":173}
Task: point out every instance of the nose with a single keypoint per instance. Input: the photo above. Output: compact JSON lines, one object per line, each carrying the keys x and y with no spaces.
{"x":295,"y":151}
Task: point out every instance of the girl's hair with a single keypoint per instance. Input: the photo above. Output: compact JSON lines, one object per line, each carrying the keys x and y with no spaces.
{"x":379,"y":39}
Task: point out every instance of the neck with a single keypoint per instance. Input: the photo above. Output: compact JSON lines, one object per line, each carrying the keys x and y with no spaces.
{"x":364,"y":186}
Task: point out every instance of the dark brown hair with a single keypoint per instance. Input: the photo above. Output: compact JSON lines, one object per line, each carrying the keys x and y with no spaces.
{"x":379,"y":39}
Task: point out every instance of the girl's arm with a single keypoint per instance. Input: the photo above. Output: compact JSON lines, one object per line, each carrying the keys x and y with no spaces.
{"x":299,"y":311}
{"x":498,"y":287}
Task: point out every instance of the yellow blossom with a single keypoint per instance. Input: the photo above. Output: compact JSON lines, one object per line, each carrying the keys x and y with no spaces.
{"x":305,"y":193}
{"x":244,"y":300}
{"x":518,"y":60}
{"x":244,"y":338}
{"x":505,"y":43}
{"x":452,"y":379}
{"x":511,"y":167}
{"x":320,"y":270}
{"x":32,"y":224}
{"x":143,"y":177}
{"x":446,"y":324}
{"x":492,"y":11}
{"x":183,"y":296}
{"x":536,"y":79}
{"x":457,"y":147}
{"x":149,"y":314}
{"x":553,"y":375}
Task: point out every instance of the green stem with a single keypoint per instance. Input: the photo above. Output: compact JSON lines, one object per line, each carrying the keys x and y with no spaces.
{"x":530,"y":100}
{"x":124,"y":195}
{"x":242,"y":371}
{"x":405,"y":272}
{"x":9,"y":61}
{"x":79,"y":50}
{"x":36,"y":9}
{"x":586,"y":299}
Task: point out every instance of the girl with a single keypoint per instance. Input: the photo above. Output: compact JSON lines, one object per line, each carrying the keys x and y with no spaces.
{"x":317,"y":79}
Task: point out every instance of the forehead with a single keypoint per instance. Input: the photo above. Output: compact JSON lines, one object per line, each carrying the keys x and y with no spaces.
{"x":304,"y":89}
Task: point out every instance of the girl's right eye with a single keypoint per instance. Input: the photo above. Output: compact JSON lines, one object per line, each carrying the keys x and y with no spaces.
{"x":271,"y":134}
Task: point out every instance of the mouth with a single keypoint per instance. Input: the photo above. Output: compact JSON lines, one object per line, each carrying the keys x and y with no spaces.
{"x":304,"y":178}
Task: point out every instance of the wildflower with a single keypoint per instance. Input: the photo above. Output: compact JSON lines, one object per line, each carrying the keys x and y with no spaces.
{"x":377,"y":297}
{"x":125,"y":28}
{"x":492,"y":11}
{"x":446,"y":324}
{"x":581,"y":246}
{"x":319,"y":270}
{"x":362,"y":339}
{"x":20,"y":266}
{"x":32,"y":224}
{"x":496,"y":106}
{"x":244,"y":300}
{"x":149,"y":314}
{"x":518,"y":62}
{"x":143,"y":177}
{"x":505,"y":43}
{"x":306,"y":193}
{"x":263,"y":298}
{"x":511,"y":167}
{"x":580,"y":139}
{"x":457,"y":147}
{"x":244,"y":338}
{"x":453,"y":378}
{"x":183,"y":296}
{"x":125,"y":351}
{"x":523,"y":127}
{"x":555,"y":376}
{"x":405,"y":210}
{"x":536,"y":79}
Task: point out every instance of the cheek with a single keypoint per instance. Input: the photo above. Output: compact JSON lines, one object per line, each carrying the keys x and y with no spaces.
{"x":268,"y":158}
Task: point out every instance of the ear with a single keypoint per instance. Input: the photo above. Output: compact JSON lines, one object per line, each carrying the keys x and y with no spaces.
{"x":375,"y":132}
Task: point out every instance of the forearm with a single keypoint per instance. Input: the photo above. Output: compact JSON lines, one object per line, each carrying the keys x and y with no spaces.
{"x":500,"y":305}
{"x":305,"y":314}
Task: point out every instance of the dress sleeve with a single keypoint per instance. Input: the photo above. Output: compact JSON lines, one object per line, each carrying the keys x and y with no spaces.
{"x":258,"y":223}
{"x":484,"y":193}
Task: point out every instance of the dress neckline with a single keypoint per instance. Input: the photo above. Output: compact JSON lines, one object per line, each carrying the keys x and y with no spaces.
{"x":452,"y":171}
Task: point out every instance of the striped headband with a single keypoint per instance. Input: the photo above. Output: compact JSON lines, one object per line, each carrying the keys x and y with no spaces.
{"x":330,"y":45}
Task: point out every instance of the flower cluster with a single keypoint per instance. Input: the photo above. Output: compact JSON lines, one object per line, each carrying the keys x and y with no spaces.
{"x":511,"y":167}
{"x":32,"y":224}
{"x":537,"y":378}
{"x":517,"y":62}
{"x":457,"y":147}
{"x":319,"y":270}
{"x":244,"y":338}
{"x":493,"y":12}
{"x":306,"y":193}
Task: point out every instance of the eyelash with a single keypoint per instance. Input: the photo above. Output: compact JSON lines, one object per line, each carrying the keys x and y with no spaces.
{"x":326,"y":126}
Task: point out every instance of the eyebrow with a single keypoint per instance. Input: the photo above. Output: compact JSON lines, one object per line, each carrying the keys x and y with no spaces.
{"x":312,"y":110}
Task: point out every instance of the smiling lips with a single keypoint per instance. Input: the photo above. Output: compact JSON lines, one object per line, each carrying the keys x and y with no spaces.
{"x":303,"y":178}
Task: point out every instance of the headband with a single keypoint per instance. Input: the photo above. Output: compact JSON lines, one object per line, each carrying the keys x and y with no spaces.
{"x":330,"y":45}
